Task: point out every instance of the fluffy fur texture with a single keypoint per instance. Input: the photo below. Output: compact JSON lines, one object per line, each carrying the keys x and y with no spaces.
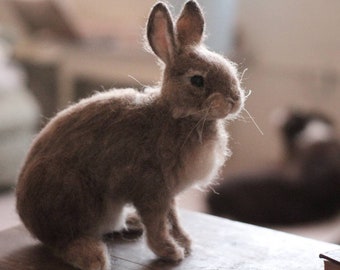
{"x":128,"y":147}
{"x":304,"y":187}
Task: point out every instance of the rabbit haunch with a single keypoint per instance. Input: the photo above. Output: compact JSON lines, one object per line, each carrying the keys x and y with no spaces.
{"x":127,"y":147}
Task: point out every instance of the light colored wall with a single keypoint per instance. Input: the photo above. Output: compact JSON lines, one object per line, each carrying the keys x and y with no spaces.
{"x":126,"y":19}
{"x":292,"y":52}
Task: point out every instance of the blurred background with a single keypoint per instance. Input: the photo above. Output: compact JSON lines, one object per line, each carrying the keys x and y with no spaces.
{"x":54,"y":52}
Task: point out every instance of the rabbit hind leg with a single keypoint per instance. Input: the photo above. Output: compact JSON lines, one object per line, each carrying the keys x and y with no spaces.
{"x":85,"y":253}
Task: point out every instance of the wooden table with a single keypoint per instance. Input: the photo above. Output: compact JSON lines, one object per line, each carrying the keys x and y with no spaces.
{"x":218,"y":244}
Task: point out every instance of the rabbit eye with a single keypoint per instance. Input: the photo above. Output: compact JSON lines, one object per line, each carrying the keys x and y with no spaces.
{"x":197,"y":80}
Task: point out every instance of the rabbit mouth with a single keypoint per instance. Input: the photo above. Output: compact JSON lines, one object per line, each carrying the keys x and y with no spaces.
{"x":219,"y":106}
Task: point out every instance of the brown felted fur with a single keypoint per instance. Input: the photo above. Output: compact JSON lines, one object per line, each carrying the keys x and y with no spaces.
{"x":127,"y":147}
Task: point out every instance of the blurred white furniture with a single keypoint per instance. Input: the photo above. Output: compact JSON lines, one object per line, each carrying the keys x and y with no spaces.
{"x":19,"y":114}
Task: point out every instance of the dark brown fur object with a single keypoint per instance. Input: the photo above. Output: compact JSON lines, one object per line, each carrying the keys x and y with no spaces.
{"x":127,"y":147}
{"x":305,"y":187}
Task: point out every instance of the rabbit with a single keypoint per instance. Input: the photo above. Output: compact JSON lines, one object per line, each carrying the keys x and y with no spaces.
{"x":127,"y":147}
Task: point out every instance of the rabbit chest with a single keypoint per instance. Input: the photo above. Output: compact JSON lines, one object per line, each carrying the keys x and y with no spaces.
{"x":201,"y":163}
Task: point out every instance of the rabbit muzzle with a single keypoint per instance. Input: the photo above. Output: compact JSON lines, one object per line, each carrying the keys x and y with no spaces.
{"x":220,"y":106}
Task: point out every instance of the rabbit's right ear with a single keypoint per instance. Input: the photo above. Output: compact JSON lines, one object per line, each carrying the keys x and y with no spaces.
{"x":160,"y":33}
{"x":190,"y":24}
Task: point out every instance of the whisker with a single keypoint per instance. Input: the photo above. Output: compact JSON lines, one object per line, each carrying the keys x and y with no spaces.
{"x":243,"y":72}
{"x":213,"y":190}
{"x":240,"y":117}
{"x":133,"y":78}
{"x":197,"y":112}
{"x":204,"y":119}
{"x":192,"y":130}
{"x":248,"y":94}
{"x":253,"y":120}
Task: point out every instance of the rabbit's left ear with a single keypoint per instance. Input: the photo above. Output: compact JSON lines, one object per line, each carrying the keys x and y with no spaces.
{"x":190,"y":24}
{"x":160,"y":33}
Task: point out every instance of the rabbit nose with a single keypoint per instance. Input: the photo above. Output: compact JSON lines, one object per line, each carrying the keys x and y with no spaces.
{"x":219,"y":105}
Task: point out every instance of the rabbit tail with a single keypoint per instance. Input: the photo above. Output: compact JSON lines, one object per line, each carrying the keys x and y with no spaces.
{"x":86,"y":254}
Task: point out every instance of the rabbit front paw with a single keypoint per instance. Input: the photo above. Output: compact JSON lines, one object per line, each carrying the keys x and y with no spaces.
{"x":167,"y":250}
{"x":172,"y":253}
{"x":185,"y":242}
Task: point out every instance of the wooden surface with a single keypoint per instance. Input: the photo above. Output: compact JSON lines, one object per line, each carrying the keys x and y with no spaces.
{"x":332,"y":259}
{"x":217,"y":244}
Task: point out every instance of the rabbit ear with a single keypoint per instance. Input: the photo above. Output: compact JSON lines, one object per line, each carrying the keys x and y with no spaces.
{"x":190,"y":24}
{"x":160,"y":33}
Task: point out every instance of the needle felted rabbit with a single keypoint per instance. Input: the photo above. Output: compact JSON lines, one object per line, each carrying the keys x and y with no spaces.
{"x":127,"y":147}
